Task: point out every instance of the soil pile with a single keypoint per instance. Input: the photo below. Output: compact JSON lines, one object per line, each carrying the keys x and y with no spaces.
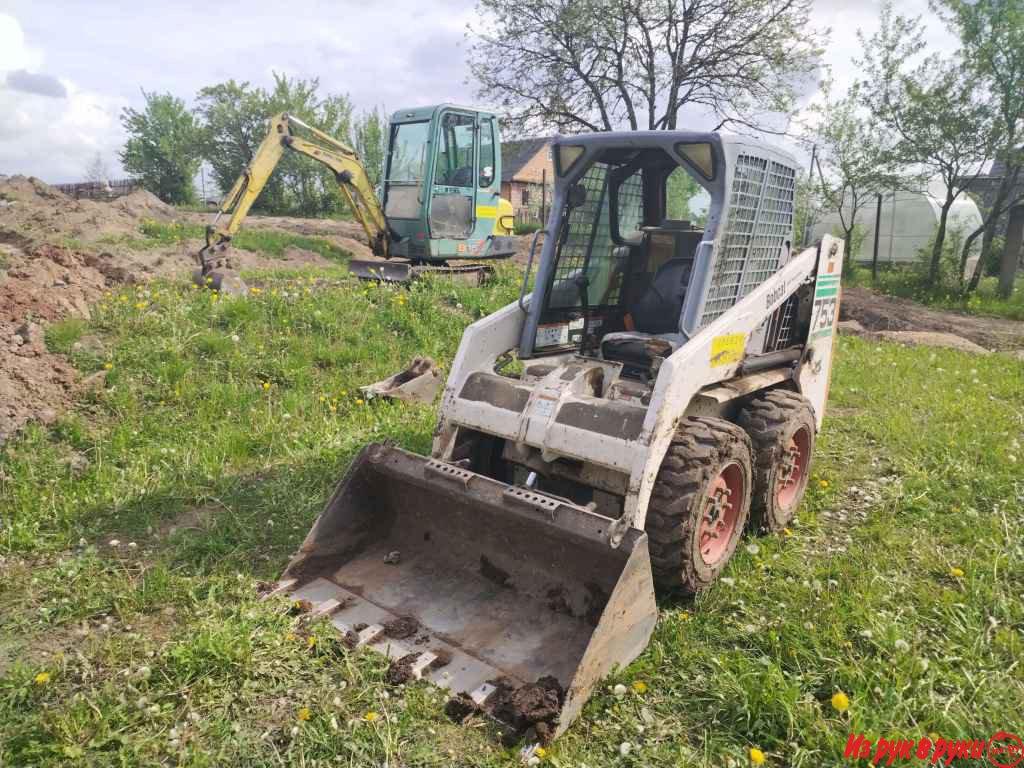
{"x":37,"y":211}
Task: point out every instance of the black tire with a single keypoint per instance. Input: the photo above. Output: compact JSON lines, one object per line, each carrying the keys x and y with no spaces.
{"x":703,"y":450}
{"x":775,"y":421}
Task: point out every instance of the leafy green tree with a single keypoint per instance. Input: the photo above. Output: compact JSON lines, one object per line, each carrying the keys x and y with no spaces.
{"x":370,"y":139}
{"x":938,"y":123}
{"x":991,"y":36}
{"x":234,"y":119}
{"x":851,"y":161}
{"x":163,"y":147}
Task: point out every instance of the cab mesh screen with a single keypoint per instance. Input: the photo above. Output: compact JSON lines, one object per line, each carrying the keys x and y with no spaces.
{"x":759,"y":222}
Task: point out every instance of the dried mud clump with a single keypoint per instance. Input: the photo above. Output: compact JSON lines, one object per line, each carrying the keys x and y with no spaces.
{"x":460,"y":707}
{"x":534,"y":704}
{"x":401,"y":628}
{"x":400,"y":670}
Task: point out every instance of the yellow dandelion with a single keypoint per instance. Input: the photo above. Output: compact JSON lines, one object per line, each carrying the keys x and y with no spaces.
{"x":371,"y":717}
{"x":255,"y":291}
{"x":266,"y":385}
{"x":840,"y":701}
{"x":540,"y":752}
{"x":956,"y":573}
{"x":108,"y":366}
{"x":823,"y":483}
{"x":640,"y":686}
{"x":684,"y":616}
{"x":756,"y":756}
{"x":305,"y":714}
{"x":42,"y":678}
{"x":359,"y":401}
{"x":323,"y":399}
{"x":310,"y":641}
{"x":787,"y":532}
{"x":140,"y":305}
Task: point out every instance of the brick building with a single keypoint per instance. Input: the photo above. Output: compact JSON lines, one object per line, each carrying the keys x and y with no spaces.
{"x":527,"y":177}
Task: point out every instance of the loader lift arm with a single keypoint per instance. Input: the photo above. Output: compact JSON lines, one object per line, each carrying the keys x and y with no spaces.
{"x":345,"y":163}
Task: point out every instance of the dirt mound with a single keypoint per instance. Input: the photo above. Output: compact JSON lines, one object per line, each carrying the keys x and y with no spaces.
{"x":934,"y":339}
{"x":39,"y":284}
{"x":34,"y":384}
{"x":37,"y":211}
{"x":877,"y":312}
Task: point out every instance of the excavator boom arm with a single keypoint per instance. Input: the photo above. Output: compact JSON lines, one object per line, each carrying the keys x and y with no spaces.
{"x":339,"y":157}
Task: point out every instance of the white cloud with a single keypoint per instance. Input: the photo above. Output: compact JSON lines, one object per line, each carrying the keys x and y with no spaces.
{"x":52,"y":127}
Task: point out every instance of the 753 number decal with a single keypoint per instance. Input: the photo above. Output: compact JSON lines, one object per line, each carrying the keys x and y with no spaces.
{"x":823,"y":316}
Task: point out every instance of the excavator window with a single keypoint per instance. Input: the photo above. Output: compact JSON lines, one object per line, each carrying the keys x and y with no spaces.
{"x":407,"y":166}
{"x":486,"y":153}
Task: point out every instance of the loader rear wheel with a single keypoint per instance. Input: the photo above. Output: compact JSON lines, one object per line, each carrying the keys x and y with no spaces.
{"x":699,"y":504}
{"x":781,"y":426}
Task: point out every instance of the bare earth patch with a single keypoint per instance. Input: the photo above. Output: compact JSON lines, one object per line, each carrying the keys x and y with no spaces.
{"x":878,"y":313}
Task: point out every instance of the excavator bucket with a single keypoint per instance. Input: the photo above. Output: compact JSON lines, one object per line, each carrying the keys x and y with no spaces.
{"x":418,"y":383}
{"x":510,"y":599}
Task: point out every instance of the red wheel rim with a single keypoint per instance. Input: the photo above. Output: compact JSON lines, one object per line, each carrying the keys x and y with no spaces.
{"x":721,"y":511}
{"x":792,"y":472}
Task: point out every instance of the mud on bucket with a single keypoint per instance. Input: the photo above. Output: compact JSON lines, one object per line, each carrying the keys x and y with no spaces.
{"x":510,"y":599}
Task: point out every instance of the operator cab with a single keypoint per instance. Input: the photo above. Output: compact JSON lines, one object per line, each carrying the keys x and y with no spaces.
{"x":624,"y":251}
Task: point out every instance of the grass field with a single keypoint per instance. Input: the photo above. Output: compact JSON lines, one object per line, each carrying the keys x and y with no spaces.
{"x":134,"y":531}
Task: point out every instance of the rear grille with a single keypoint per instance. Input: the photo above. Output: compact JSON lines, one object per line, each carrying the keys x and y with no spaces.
{"x":759,"y":222}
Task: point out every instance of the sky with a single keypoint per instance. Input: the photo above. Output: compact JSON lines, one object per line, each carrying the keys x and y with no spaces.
{"x":68,"y":67}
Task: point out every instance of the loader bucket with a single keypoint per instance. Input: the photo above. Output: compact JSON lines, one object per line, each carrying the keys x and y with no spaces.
{"x":510,"y":599}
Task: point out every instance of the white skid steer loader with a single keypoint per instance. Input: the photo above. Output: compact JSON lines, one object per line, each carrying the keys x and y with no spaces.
{"x":656,"y":395}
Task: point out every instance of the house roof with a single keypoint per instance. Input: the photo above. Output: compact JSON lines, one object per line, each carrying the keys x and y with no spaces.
{"x":517,"y":153}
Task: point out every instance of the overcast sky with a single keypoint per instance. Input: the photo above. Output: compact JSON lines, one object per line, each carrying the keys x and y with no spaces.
{"x":68,"y":68}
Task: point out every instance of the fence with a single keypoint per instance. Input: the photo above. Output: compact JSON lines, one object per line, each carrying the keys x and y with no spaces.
{"x":103,"y":190}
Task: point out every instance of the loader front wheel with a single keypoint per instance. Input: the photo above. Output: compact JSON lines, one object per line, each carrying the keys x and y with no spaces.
{"x":700,"y":504}
{"x":781,"y":426}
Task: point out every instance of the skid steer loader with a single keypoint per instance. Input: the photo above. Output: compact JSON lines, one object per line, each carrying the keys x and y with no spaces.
{"x":656,"y":395}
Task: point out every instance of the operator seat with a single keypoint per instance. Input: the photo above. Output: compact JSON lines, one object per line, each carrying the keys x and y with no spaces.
{"x":655,"y":318}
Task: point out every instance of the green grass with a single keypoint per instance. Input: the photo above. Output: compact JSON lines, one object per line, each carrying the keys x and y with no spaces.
{"x":224,"y":424}
{"x":907,"y":283}
{"x":272,"y":243}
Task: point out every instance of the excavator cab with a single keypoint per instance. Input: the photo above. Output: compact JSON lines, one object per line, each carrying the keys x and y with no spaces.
{"x":441,"y":186}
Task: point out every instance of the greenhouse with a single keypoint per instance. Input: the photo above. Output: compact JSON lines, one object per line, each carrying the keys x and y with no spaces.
{"x":907,"y":224}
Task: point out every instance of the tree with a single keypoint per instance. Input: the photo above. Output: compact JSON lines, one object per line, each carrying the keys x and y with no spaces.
{"x":597,"y":65}
{"x":850,"y":163}
{"x":938,"y":124}
{"x":97,"y":170}
{"x":163,"y":147}
{"x":234,"y":122}
{"x":991,"y":35}
{"x":370,"y":140}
